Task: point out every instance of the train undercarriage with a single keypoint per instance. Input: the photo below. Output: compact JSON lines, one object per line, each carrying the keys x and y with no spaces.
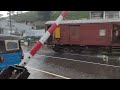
{"x":89,"y":49}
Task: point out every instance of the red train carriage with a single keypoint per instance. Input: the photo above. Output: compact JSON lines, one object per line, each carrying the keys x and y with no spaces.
{"x":78,"y":35}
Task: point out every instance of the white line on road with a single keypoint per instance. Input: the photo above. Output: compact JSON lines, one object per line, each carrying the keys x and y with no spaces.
{"x":83,"y":55}
{"x":48,"y":73}
{"x":75,"y":54}
{"x":67,"y":59}
{"x":79,"y":54}
{"x":87,"y":55}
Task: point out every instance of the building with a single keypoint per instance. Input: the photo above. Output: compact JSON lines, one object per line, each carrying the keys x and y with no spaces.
{"x":104,"y":14}
{"x":17,"y":28}
{"x":35,"y":33}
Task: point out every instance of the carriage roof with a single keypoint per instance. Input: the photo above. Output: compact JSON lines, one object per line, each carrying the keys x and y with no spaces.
{"x":86,"y":21}
{"x":8,"y":37}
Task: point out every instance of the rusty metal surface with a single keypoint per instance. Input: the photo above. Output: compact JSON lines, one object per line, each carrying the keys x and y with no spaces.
{"x":83,"y":34}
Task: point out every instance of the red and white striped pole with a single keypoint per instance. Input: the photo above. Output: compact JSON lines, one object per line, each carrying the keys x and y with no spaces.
{"x":43,"y":39}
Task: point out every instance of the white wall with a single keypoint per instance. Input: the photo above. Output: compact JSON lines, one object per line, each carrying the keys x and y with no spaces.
{"x":106,"y":14}
{"x":34,"y":32}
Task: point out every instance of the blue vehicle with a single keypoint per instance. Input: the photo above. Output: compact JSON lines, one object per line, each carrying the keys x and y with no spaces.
{"x":10,"y":51}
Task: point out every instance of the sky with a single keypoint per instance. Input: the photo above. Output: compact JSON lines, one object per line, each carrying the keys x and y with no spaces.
{"x":5,"y":13}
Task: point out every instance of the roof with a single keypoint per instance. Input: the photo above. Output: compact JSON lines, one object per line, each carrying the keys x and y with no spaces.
{"x":8,"y":37}
{"x":85,"y":21}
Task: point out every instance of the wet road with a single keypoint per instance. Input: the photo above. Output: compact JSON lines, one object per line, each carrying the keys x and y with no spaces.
{"x":47,"y":64}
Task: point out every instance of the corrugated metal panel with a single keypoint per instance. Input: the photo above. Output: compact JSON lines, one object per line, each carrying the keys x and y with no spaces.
{"x":84,"y":34}
{"x":86,"y":21}
{"x":74,"y":33}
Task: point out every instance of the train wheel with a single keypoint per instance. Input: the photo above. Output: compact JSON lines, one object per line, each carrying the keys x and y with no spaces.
{"x":66,"y":50}
{"x":109,"y":50}
{"x":56,"y":49}
{"x":80,"y":51}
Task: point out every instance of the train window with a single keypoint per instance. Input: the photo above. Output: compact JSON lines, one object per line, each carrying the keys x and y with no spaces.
{"x":102,"y":32}
{"x":12,"y":45}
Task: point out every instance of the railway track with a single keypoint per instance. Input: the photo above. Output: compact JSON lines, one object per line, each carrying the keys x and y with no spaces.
{"x":110,"y":59}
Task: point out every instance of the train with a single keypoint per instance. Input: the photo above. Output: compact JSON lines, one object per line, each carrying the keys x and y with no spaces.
{"x":85,"y":35}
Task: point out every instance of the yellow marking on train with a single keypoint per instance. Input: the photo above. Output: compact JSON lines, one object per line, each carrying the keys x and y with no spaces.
{"x":57,"y":32}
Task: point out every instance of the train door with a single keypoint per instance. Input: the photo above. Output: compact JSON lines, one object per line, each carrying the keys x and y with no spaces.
{"x":116,"y":33}
{"x":74,"y":33}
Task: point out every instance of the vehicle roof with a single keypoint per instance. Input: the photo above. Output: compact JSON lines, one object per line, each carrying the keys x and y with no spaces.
{"x":8,"y":37}
{"x":86,"y":21}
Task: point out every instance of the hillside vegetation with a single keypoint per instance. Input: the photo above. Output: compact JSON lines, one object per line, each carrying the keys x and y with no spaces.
{"x":33,"y":16}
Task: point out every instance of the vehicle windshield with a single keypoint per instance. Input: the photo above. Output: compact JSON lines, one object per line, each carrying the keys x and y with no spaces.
{"x":12,"y":45}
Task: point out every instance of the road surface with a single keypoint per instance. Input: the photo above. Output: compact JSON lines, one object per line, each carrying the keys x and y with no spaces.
{"x":48,"y":64}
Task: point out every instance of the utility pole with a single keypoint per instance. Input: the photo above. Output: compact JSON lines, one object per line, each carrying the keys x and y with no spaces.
{"x":0,"y":24}
{"x":10,"y":22}
{"x":104,"y":15}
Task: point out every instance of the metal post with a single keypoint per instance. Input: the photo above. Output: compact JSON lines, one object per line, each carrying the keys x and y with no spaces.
{"x":119,"y":14}
{"x":10,"y":22}
{"x":90,"y":14}
{"x":104,"y":15}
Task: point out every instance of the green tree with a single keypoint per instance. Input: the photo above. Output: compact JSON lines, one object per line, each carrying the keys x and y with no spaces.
{"x":44,"y":15}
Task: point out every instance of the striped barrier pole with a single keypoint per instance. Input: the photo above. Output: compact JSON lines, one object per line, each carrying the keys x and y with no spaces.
{"x":43,"y":39}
